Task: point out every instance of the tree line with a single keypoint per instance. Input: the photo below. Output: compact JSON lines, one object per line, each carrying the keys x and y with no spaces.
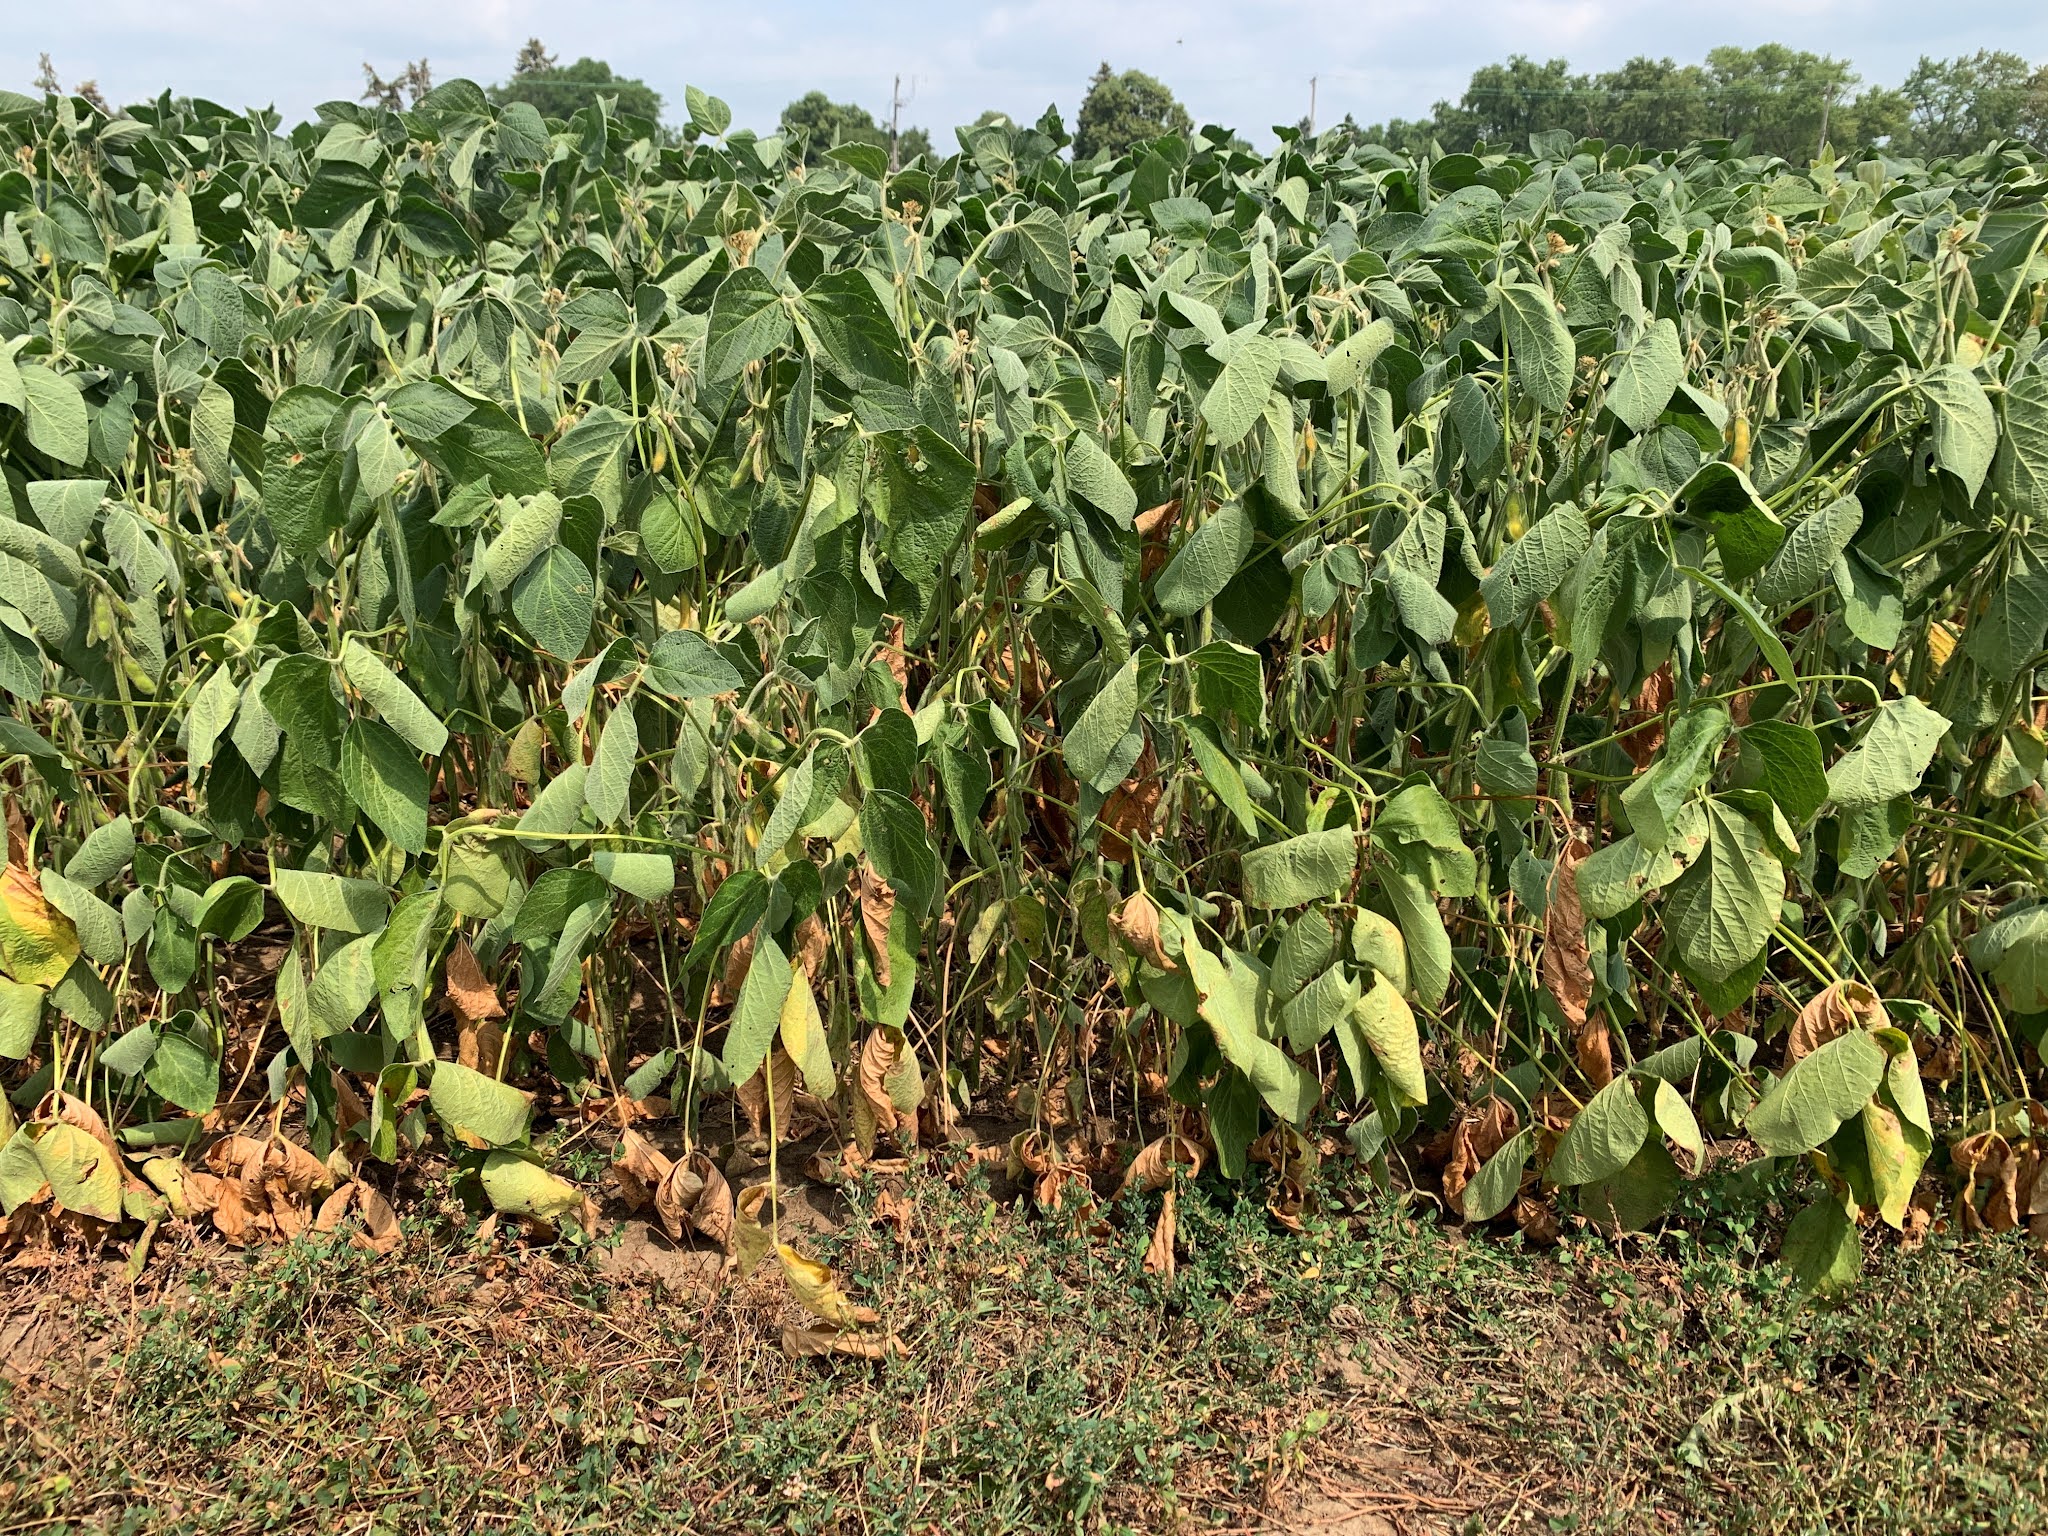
{"x":1782,"y":101}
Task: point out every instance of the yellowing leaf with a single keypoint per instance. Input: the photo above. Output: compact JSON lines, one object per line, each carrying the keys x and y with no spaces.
{"x":519,"y":1187}
{"x":37,"y":942}
{"x":813,"y":1286}
{"x":84,"y":1176}
{"x":803,"y":1034}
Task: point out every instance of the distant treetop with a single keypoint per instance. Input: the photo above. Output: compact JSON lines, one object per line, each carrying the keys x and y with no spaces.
{"x":1126,"y":109}
{"x":563,"y":90}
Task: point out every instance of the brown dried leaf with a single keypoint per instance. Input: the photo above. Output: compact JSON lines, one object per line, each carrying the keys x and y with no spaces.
{"x":1159,"y":1252}
{"x":1538,"y":1221}
{"x":874,"y":1114}
{"x":333,"y":1208}
{"x":877,"y":906}
{"x":1832,"y":1012}
{"x":1137,"y":924}
{"x":1643,"y":727}
{"x":894,"y":1209}
{"x":1567,"y":972}
{"x":380,"y":1234}
{"x":1129,"y":812}
{"x":638,"y":1168}
{"x":823,"y":1339}
{"x":1154,"y":1166}
{"x":738,"y":961}
{"x":1157,"y":522}
{"x":712,"y":1212}
{"x":812,"y":943}
{"x":753,"y":1096}
{"x":479,"y":1041}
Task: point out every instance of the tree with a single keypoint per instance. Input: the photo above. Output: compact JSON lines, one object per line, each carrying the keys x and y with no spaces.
{"x":1126,"y":109}
{"x":1505,"y":103}
{"x":534,"y":59}
{"x":823,"y":124}
{"x":46,"y":80}
{"x":1958,"y":106}
{"x":402,"y":90}
{"x":1779,"y":97}
{"x":562,"y":90}
{"x":1652,"y":103}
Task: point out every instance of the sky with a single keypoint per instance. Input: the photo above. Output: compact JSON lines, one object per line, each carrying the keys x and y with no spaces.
{"x":1244,"y":63}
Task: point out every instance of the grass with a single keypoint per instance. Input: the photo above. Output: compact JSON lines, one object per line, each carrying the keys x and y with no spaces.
{"x":1374,"y":1371}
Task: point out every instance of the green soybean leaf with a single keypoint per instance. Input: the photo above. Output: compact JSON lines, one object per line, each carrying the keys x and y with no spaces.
{"x":757,"y":1015}
{"x":1818,"y":1092}
{"x":607,"y":788}
{"x":1205,"y":563}
{"x":387,"y":782}
{"x":402,"y":709}
{"x":1965,"y":426}
{"x":479,"y":1111}
{"x":1891,"y":756}
{"x":1102,"y":724}
{"x":1493,"y":1188}
{"x":1645,"y":375}
{"x":1540,"y":351}
{"x":1300,"y":869}
{"x":1603,"y":1137}
{"x":331,"y":901}
{"x":556,"y":600}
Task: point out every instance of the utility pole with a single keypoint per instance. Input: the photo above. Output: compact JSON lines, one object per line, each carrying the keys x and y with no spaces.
{"x":1311,"y":106}
{"x":895,"y":113}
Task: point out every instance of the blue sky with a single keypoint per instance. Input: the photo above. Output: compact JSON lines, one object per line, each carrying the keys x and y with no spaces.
{"x":1246,"y":63}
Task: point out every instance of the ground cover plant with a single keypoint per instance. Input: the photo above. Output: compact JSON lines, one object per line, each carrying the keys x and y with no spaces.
{"x":1516,"y":668}
{"x":1368,"y":1375}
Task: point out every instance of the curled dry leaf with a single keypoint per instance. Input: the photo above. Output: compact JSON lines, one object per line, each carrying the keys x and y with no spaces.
{"x":1159,"y":1252}
{"x":638,"y":1167}
{"x":753,"y":1096}
{"x":479,"y":1040}
{"x":1643,"y":728}
{"x":752,"y":1236}
{"x":1987,"y":1160}
{"x":1480,"y":1133}
{"x":877,"y":906}
{"x":811,"y":1339}
{"x":1054,"y":1172}
{"x":894,"y":1209}
{"x":1154,"y":1166}
{"x":738,"y":961}
{"x":1538,"y":1221}
{"x":1128,"y":815}
{"x":1137,"y":924}
{"x":812,"y":942}
{"x":1567,"y":970}
{"x":257,"y":1189}
{"x":711,"y":1212}
{"x":879,"y":1089}
{"x":1831,"y":1013}
{"x":380,"y":1234}
{"x":685,"y":1193}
